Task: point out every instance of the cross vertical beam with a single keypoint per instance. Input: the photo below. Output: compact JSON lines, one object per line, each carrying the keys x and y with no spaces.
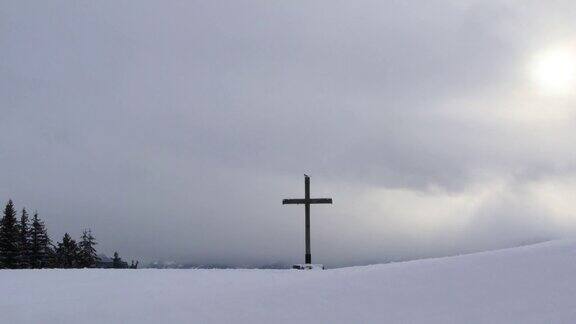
{"x":307,"y":212}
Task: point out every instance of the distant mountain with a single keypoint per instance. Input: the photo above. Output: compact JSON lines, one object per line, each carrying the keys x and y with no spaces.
{"x":189,"y":265}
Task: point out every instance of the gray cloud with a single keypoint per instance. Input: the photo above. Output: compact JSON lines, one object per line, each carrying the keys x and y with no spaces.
{"x":175,"y":129}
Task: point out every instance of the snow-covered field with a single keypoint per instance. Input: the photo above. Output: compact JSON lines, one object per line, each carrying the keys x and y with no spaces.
{"x":533,"y":284}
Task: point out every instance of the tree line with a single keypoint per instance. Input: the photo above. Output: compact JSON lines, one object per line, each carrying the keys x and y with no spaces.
{"x":25,"y":244}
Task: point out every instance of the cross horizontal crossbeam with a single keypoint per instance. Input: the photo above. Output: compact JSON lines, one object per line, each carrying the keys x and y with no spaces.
{"x":307,"y":201}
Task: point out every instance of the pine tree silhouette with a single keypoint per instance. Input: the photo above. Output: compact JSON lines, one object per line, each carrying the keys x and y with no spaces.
{"x":41,"y":253}
{"x":87,"y":257}
{"x":9,"y":238}
{"x":67,"y":252}
{"x":24,"y":241}
{"x":116,"y":261}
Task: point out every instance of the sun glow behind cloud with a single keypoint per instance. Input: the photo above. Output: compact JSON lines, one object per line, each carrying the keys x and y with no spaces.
{"x":554,"y":71}
{"x":539,"y":93}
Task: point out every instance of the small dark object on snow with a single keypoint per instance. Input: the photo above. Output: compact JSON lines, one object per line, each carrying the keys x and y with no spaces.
{"x":308,"y":266}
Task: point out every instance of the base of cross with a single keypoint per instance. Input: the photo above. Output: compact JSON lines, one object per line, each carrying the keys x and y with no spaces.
{"x":308,"y":266}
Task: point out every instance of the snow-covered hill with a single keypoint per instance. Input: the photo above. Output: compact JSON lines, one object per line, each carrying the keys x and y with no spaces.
{"x":533,"y":284}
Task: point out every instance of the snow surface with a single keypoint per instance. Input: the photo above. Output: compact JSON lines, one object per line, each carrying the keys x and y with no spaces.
{"x":533,"y":284}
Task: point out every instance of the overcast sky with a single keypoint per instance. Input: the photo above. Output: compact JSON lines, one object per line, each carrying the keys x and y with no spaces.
{"x":174,"y":129}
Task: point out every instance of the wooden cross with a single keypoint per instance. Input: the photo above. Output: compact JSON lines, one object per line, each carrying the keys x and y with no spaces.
{"x":307,"y":201}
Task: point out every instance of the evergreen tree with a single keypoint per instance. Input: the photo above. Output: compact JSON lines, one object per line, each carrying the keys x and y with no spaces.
{"x":24,"y":241}
{"x":9,"y":238}
{"x":41,"y":253}
{"x":116,"y":261}
{"x":87,"y":256}
{"x":67,"y":252}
